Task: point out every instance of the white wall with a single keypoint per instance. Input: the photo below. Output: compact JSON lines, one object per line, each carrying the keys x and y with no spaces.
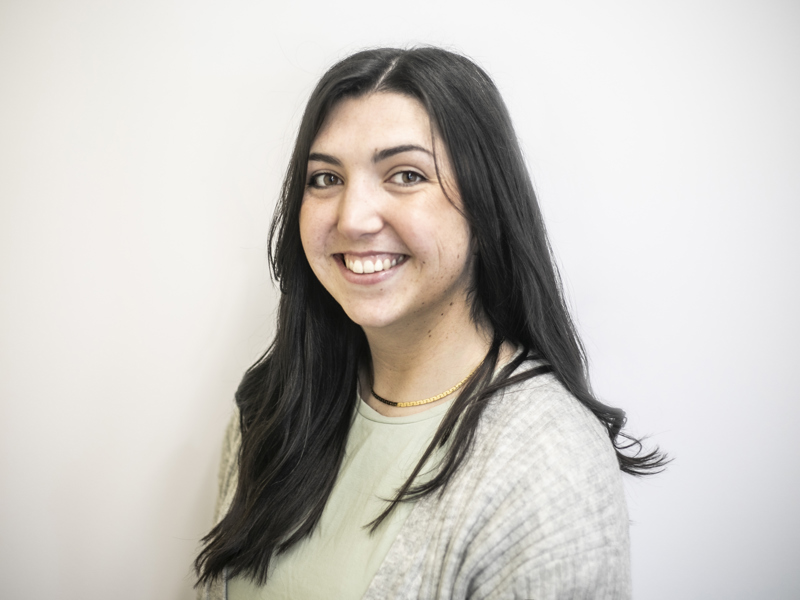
{"x":141,"y":149}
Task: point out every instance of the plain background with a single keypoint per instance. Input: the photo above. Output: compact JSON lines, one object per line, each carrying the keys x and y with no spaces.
{"x":142,"y":145}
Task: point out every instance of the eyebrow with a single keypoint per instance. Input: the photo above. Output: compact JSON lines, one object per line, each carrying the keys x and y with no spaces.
{"x":326,"y":158}
{"x":389,"y":152}
{"x":376,"y":158}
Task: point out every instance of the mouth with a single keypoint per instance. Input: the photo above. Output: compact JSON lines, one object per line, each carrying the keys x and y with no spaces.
{"x":371,"y":263}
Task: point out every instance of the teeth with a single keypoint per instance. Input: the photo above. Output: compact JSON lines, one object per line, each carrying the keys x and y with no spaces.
{"x":356,"y":265}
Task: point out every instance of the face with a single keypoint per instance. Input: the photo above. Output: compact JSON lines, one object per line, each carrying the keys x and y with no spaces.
{"x":376,"y":225}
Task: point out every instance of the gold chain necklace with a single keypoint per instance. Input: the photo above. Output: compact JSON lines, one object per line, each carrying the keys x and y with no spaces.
{"x":427,"y":400}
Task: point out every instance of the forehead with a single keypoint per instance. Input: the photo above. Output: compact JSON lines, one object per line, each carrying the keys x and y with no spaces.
{"x":374,"y":122}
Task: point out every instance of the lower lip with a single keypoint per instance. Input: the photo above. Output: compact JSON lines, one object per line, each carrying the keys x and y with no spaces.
{"x":366,"y":278}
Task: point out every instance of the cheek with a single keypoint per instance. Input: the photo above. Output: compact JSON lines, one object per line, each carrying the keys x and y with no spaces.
{"x":453,"y":248}
{"x":311,"y":236}
{"x":304,"y":229}
{"x":458,"y":241}
{"x":464,"y":255}
{"x":315,"y":236}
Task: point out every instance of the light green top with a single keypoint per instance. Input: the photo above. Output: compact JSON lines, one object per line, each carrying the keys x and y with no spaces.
{"x":340,"y":559}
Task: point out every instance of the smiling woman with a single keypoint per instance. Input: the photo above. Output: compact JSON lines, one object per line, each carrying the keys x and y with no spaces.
{"x":422,"y":425}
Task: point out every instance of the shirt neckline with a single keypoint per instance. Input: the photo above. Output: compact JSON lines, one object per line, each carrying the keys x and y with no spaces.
{"x":366,"y":411}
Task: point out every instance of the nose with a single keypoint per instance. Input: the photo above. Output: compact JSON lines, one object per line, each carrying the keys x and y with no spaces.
{"x":359,"y":210}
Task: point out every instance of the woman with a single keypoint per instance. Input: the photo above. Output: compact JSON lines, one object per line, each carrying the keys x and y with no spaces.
{"x":422,"y":425}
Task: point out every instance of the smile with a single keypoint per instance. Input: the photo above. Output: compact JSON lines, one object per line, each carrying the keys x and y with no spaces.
{"x":371,"y":263}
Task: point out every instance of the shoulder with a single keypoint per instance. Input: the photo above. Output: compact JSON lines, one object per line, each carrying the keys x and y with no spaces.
{"x":544,"y":493}
{"x":543,"y":418}
{"x":539,"y":443}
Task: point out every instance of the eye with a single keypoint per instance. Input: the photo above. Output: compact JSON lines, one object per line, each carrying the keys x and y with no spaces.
{"x":323,"y":180}
{"x":407,"y":178}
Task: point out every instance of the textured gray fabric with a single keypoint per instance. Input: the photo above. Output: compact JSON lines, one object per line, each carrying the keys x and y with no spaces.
{"x":537,"y":512}
{"x":227,"y":479}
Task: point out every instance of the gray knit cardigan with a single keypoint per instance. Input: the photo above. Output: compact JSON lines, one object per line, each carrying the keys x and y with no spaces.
{"x":537,"y":511}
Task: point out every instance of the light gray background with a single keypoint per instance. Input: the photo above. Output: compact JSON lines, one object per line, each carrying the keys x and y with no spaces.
{"x":141,"y":149}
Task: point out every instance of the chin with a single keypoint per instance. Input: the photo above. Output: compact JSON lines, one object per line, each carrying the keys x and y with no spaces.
{"x":371,"y":318}
{"x":370,"y":321}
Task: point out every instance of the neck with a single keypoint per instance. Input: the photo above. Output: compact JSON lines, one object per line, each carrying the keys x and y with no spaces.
{"x":418,"y":361}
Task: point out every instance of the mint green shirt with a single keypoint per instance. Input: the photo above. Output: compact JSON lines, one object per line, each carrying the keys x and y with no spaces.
{"x":340,"y":559}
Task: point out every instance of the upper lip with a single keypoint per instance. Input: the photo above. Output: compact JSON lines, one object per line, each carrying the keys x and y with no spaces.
{"x":369,"y":253}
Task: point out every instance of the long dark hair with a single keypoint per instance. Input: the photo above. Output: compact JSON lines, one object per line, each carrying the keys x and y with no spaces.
{"x":298,"y":400}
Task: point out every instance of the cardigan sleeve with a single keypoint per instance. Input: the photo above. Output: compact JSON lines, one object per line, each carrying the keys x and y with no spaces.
{"x":227,"y":479}
{"x":228,"y":474}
